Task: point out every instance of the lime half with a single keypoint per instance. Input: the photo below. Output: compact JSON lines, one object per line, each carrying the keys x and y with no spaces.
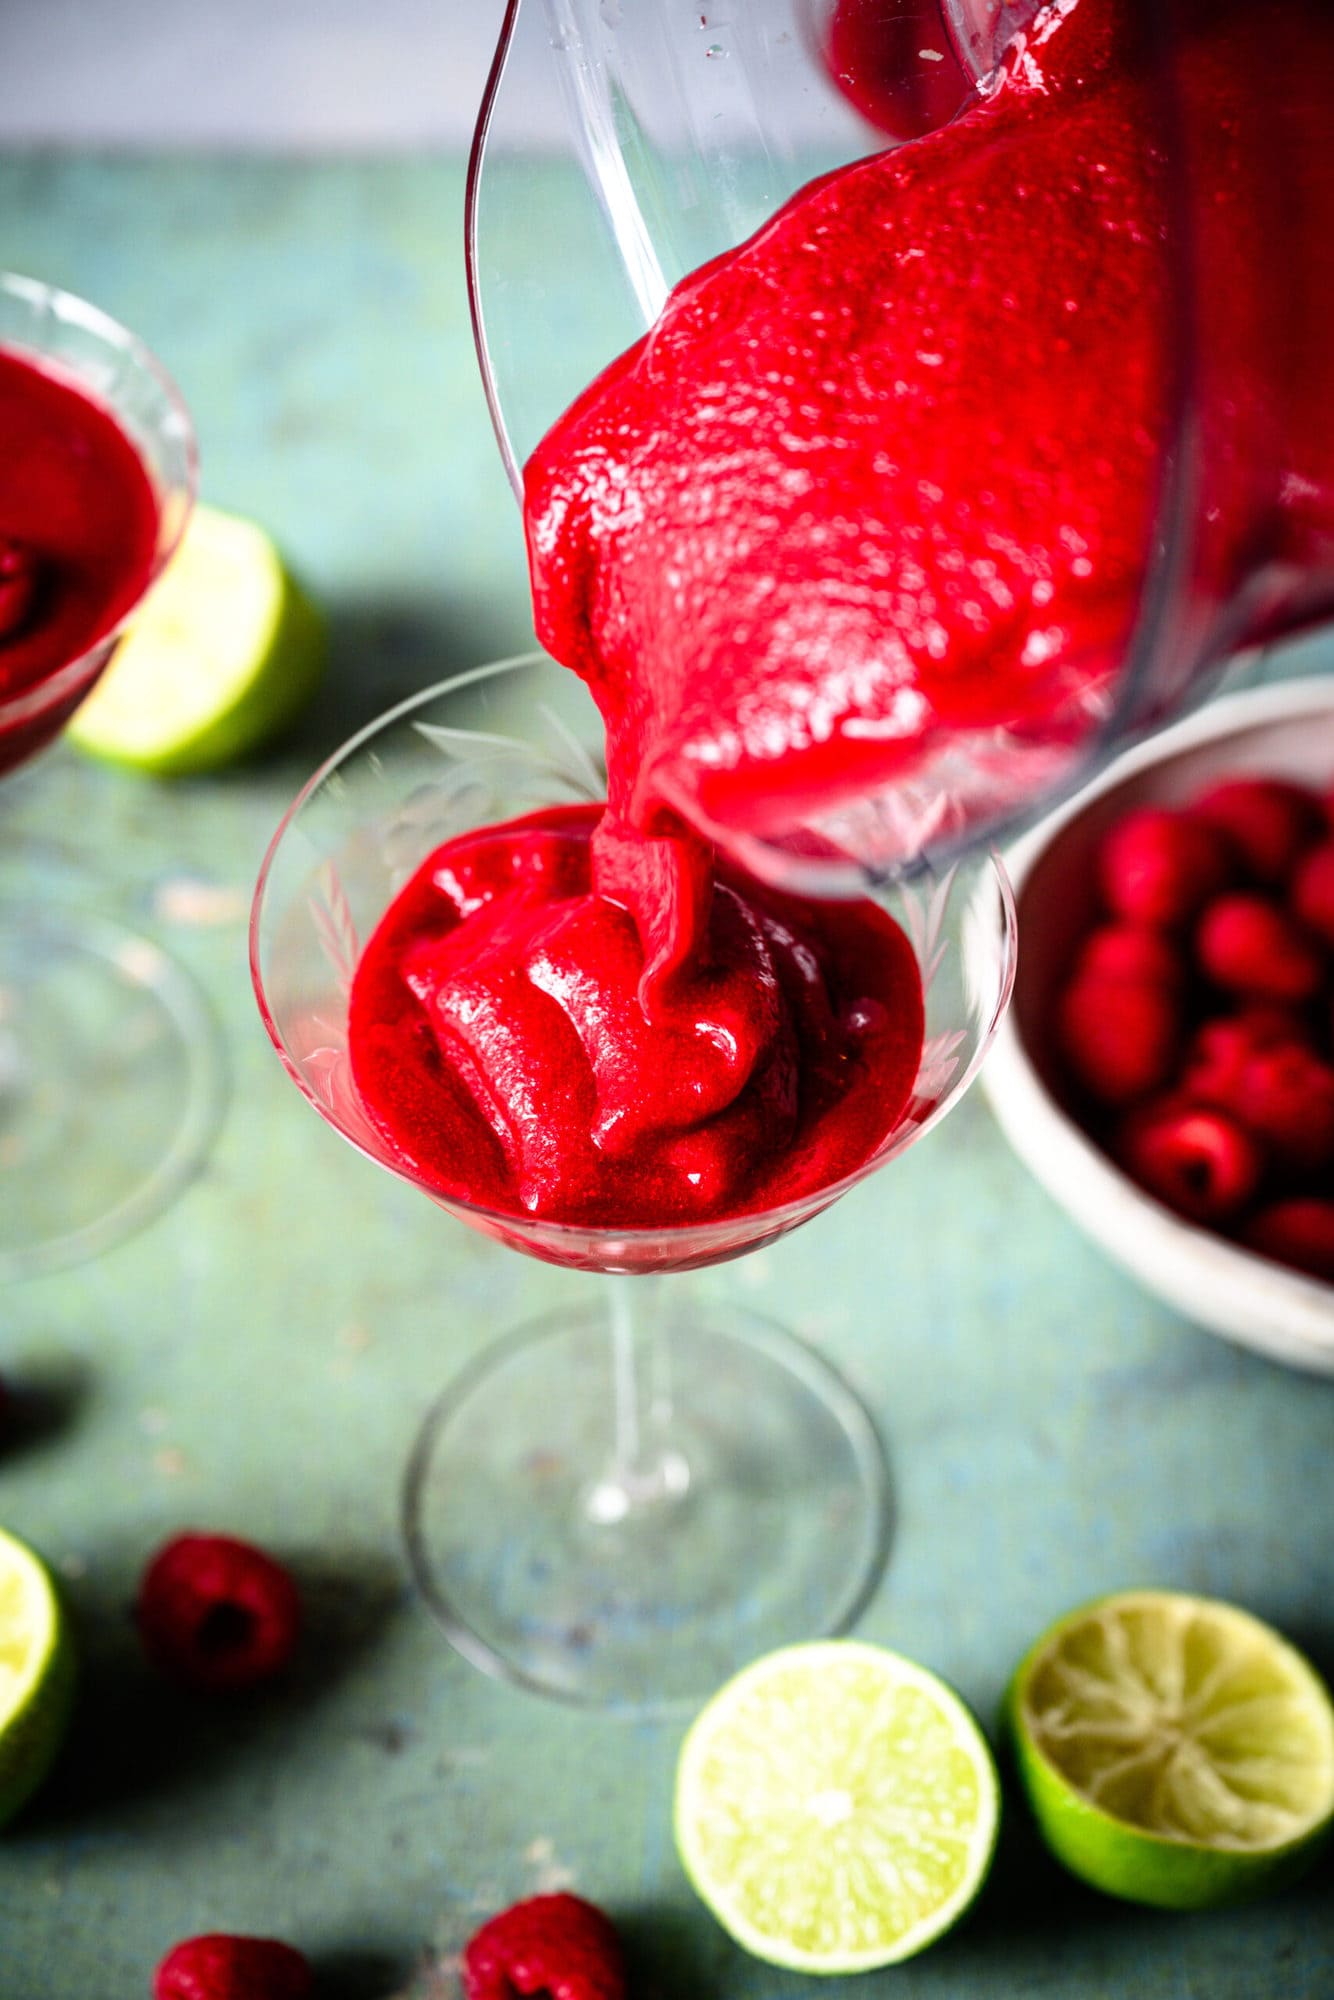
{"x":224,"y":652}
{"x":1175,"y":1750}
{"x":836,"y":1807}
{"x":36,"y":1674}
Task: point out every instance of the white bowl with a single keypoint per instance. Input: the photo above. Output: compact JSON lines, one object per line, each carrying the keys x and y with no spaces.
{"x":1286,"y":728}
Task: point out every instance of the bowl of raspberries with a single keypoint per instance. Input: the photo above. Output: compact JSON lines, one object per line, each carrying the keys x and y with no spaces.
{"x":1167,"y":1068}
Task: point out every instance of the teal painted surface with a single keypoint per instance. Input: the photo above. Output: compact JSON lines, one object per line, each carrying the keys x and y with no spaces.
{"x":257,"y":1359}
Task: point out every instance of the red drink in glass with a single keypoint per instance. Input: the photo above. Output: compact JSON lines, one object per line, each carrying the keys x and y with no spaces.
{"x":97,"y":476}
{"x":79,"y":528}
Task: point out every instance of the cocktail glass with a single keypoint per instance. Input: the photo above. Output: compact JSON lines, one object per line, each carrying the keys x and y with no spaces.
{"x":108,"y":1079}
{"x":622,"y":1501}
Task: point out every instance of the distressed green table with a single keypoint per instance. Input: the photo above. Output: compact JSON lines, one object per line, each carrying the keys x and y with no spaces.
{"x":258,"y":1357}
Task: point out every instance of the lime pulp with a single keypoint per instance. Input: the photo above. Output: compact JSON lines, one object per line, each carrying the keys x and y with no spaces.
{"x":836,"y":1807}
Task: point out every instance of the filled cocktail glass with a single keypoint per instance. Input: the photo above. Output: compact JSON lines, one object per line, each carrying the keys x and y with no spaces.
{"x":623,"y":1500}
{"x":99,"y":1030}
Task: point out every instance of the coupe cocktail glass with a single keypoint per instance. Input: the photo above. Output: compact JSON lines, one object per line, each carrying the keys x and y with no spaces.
{"x":108,"y":1083}
{"x":621,"y":1502}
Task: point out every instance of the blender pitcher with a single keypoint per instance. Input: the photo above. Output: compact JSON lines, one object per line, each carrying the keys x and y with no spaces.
{"x":681,"y":130}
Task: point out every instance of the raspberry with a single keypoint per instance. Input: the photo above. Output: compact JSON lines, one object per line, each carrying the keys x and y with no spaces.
{"x":1268,"y":821}
{"x":1312,"y":894}
{"x":1215,"y":1062}
{"x":1157,"y":867}
{"x":1119,"y":1037}
{"x":1271,"y":1025}
{"x":1286,"y":1094}
{"x":1248,"y":945}
{"x":1199,"y":1161}
{"x":557,"y":1946}
{"x":217,"y":1614}
{"x":1133,"y":953}
{"x":1298,"y":1232}
{"x":217,"y":1967}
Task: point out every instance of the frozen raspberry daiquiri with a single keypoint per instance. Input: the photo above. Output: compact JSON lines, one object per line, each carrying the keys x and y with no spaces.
{"x":79,"y":530}
{"x":97,"y":474}
{"x":499,"y":1035}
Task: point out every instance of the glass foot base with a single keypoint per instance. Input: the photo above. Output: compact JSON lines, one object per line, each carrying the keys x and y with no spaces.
{"x":756,"y":1512}
{"x":110,"y":1086}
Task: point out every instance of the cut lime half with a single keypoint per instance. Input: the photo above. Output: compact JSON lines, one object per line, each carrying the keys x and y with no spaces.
{"x":1175,"y":1750}
{"x":836,"y":1807}
{"x":223,"y":654}
{"x":36,"y":1674}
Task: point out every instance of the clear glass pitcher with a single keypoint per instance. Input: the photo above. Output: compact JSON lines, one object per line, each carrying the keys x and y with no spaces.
{"x":689,"y":126}
{"x":637,"y":141}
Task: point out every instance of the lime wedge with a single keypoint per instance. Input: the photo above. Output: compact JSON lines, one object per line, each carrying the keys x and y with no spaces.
{"x":1175,"y":1750}
{"x":224,"y":653}
{"x":836,"y":1807}
{"x":36,"y":1674}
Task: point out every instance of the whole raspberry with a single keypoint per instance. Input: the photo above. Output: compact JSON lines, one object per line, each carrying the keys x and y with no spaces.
{"x":1157,"y":867}
{"x":218,"y":1967}
{"x":557,"y":1946}
{"x":217,"y":1614}
{"x":1246,"y":944}
{"x":1214,"y":1066}
{"x":1286,"y":1094}
{"x":1200,"y":1162}
{"x":1299,"y":1232}
{"x":1118,"y":1037}
{"x":1312,"y":893}
{"x":1133,"y":953}
{"x":1268,"y":821}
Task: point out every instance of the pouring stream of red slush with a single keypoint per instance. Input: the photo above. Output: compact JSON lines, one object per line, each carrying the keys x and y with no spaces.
{"x":882,"y":484}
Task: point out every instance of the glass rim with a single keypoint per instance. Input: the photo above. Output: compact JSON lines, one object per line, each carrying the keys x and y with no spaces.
{"x":696,"y":1239}
{"x":30,"y":703}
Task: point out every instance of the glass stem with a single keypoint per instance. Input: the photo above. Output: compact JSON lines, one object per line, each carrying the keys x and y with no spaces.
{"x":646,"y":1468}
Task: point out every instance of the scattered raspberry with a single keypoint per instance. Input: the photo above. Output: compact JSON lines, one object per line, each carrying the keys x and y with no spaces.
{"x":218,"y":1614}
{"x":1119,"y":1038}
{"x":1248,"y":945}
{"x":557,"y":1946}
{"x":1298,"y":1232}
{"x":1157,"y":867}
{"x":1199,"y":1161}
{"x":1313,"y":891}
{"x":1132,"y":953}
{"x":1268,"y":821}
{"x":232,"y":1968}
{"x":1286,"y":1094}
